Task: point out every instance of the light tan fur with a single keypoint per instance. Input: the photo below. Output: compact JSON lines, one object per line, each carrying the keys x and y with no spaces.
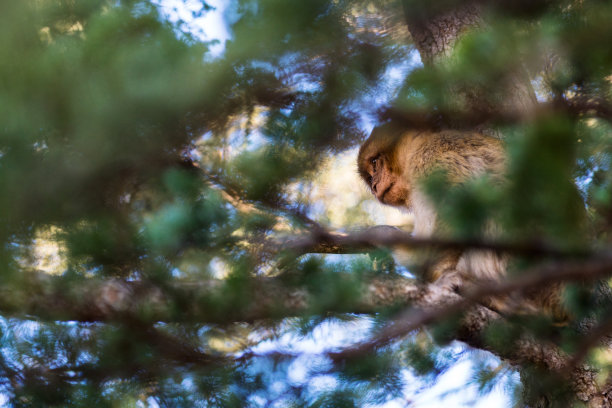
{"x":393,"y":161}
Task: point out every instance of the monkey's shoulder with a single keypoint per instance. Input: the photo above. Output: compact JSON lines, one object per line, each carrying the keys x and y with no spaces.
{"x":460,"y":154}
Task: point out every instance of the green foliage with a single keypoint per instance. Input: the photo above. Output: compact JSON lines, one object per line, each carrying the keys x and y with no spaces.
{"x":541,"y":170}
{"x":136,"y":166}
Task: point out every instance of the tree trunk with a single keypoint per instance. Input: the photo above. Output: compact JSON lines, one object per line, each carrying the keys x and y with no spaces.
{"x":435,"y":34}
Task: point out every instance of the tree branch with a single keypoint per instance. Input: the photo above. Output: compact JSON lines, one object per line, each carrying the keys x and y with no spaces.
{"x":61,"y":298}
{"x":437,"y":302}
{"x":93,"y":299}
{"x":372,"y":238}
{"x":115,"y":300}
{"x":579,"y":106}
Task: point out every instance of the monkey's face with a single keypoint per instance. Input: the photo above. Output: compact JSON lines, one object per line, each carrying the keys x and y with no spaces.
{"x":384,"y":179}
{"x":380,"y":168}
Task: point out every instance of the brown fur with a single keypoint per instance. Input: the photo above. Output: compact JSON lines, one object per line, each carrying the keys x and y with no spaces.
{"x":393,"y":160}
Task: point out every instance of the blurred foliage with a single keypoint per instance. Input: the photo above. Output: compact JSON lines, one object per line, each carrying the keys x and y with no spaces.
{"x":128,"y":152}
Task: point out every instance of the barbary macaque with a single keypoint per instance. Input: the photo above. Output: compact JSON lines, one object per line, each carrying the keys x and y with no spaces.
{"x":393,"y":162}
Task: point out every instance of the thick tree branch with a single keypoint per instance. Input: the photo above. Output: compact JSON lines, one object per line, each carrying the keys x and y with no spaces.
{"x":437,"y":303}
{"x":372,"y":238}
{"x":579,"y":106}
{"x":109,"y":300}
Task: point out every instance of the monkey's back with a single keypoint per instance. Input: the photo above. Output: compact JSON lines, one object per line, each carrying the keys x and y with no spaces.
{"x":462,"y":155}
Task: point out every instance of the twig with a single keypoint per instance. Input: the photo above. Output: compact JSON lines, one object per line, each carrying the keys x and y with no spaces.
{"x":234,"y":196}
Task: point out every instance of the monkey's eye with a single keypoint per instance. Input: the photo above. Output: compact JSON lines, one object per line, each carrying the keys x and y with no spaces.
{"x":374,"y":161}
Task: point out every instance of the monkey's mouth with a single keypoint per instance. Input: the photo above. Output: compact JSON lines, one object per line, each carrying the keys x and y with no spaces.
{"x":382,"y":196}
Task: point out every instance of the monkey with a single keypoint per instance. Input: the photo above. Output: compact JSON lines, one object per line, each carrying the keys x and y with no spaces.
{"x":393,"y":161}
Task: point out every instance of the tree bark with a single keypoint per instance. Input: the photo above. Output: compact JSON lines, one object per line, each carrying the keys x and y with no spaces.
{"x":435,"y":35}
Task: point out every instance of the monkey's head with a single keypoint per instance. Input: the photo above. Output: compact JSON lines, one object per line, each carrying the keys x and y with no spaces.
{"x":380,"y":166}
